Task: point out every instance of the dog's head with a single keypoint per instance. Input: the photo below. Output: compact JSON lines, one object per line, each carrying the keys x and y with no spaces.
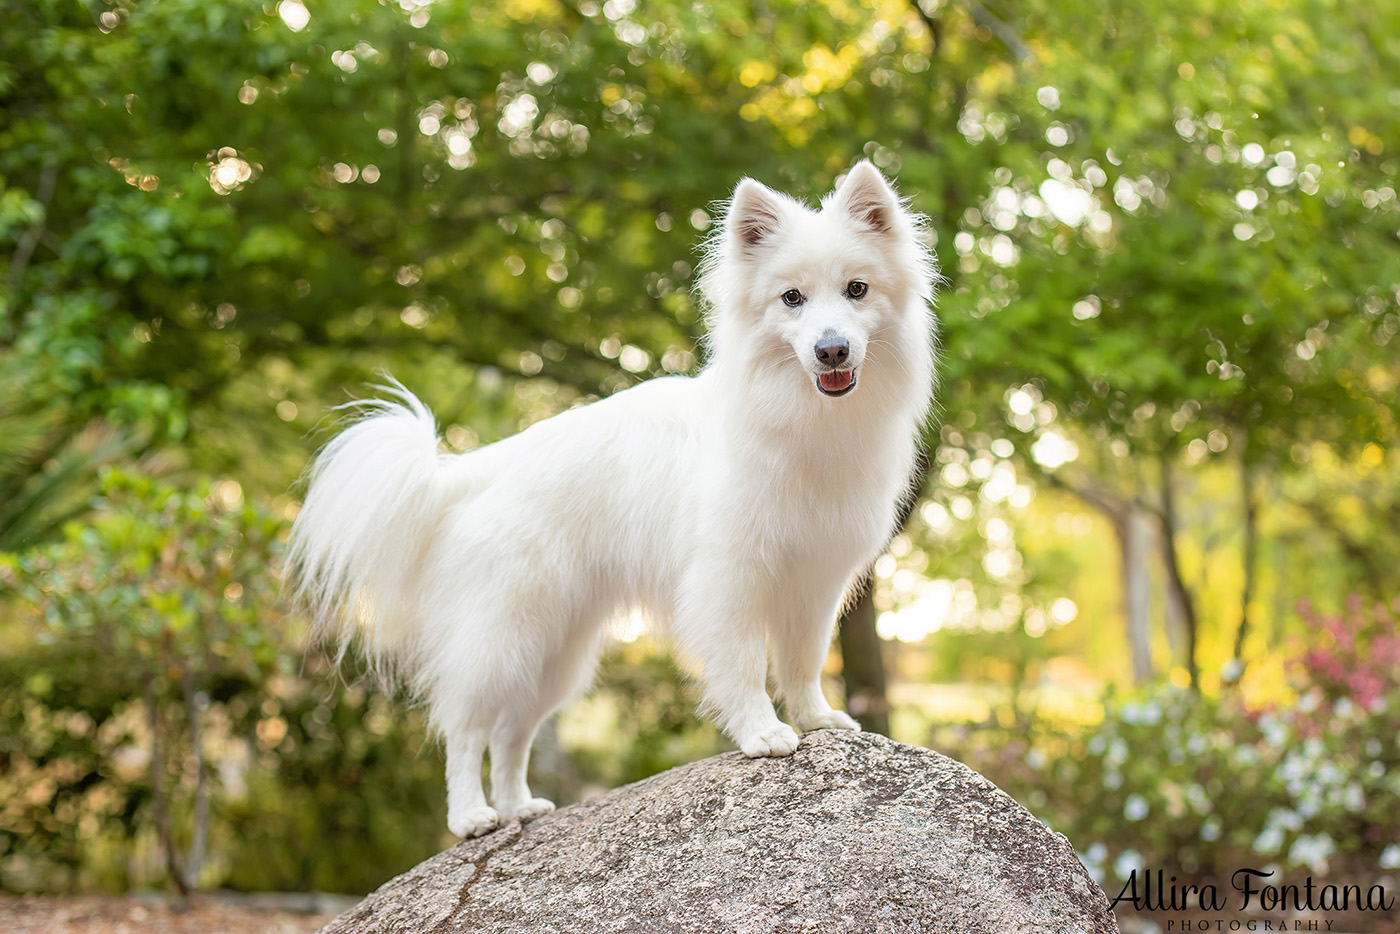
{"x":816,"y":289}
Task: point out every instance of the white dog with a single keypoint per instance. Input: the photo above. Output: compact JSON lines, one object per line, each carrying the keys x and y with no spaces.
{"x":732,"y":510}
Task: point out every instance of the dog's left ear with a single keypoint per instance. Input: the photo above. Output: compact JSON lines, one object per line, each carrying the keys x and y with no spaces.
{"x":867,"y":198}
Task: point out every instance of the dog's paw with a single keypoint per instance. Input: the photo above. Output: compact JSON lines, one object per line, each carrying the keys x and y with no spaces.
{"x":474,"y":821}
{"x":830,"y":720}
{"x":778,"y":740}
{"x":532,"y":807}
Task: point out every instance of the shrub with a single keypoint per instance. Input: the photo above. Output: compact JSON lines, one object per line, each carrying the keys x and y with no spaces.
{"x":1203,"y":785}
{"x":164,"y":722}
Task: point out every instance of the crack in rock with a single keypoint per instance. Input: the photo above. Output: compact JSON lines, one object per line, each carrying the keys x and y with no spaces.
{"x":502,"y":838}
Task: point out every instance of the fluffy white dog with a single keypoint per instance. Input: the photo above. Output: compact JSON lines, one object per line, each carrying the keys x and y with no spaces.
{"x":732,"y":510}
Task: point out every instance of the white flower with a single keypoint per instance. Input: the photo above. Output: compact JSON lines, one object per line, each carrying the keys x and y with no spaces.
{"x":1126,"y":862}
{"x":1294,"y":768}
{"x":1287,"y":820}
{"x":1245,"y":755}
{"x":1275,"y":732}
{"x":1092,"y":859}
{"x":1269,"y":840}
{"x":1312,"y":850}
{"x":1329,"y":774}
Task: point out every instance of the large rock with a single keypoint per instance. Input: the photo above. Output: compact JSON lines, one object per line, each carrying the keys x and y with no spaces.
{"x":854,"y":833}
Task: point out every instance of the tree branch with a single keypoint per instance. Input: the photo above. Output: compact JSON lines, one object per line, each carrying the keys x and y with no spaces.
{"x":48,"y":180}
{"x":1173,"y":566}
{"x":984,"y":17}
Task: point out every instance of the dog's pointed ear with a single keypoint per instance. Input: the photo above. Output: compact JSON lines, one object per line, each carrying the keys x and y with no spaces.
{"x":755,"y":213}
{"x":867,"y":198}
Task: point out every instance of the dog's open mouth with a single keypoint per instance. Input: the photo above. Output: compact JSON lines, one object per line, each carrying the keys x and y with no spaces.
{"x":837,"y":382}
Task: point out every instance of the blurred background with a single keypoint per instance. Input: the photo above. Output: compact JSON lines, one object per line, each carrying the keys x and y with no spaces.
{"x":1149,"y":585}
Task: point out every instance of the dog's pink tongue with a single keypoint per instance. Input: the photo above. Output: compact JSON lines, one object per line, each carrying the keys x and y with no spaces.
{"x":837,"y":381}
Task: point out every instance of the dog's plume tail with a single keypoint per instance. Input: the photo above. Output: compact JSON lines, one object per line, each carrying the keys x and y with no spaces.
{"x":371,"y":510}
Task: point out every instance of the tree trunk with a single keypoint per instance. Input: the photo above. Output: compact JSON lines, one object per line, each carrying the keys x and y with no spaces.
{"x":194,"y":860}
{"x":1251,"y":555}
{"x":1134,"y":539}
{"x":863,"y":663}
{"x":552,"y":772}
{"x":1176,"y":587}
{"x":158,"y":796}
{"x":862,"y":650}
{"x":1132,"y":528}
{"x":1278,"y":565}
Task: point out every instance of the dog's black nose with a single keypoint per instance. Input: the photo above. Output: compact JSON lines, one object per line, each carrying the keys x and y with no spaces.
{"x":833,"y":351}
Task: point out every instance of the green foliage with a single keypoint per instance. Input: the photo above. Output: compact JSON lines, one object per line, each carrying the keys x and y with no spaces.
{"x":1209,"y":208}
{"x":1209,"y":784}
{"x":318,"y":786}
{"x":348,"y":796}
{"x":65,"y":778}
{"x":163,"y":667}
{"x":164,"y":580}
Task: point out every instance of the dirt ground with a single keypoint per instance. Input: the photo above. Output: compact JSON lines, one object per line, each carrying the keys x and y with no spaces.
{"x":31,"y":914}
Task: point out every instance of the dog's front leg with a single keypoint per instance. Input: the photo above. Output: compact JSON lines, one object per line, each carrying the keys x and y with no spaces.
{"x":801,"y":637}
{"x":716,"y":625}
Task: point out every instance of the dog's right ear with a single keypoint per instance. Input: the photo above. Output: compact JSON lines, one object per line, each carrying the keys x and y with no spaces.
{"x":755,"y":213}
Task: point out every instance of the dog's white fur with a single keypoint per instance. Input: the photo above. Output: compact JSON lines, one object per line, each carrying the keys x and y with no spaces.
{"x":732,"y":509}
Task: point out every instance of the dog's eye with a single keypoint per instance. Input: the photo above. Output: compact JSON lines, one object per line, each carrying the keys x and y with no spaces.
{"x":792,"y":298}
{"x":856,"y":289}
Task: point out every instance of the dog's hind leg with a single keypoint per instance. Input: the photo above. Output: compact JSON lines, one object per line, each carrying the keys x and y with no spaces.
{"x":468,"y":814}
{"x":566,"y":673}
{"x":801,"y":638}
{"x":511,"y":738}
{"x":465,"y":699}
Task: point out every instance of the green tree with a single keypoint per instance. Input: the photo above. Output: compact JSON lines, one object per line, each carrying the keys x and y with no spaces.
{"x":1189,"y":247}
